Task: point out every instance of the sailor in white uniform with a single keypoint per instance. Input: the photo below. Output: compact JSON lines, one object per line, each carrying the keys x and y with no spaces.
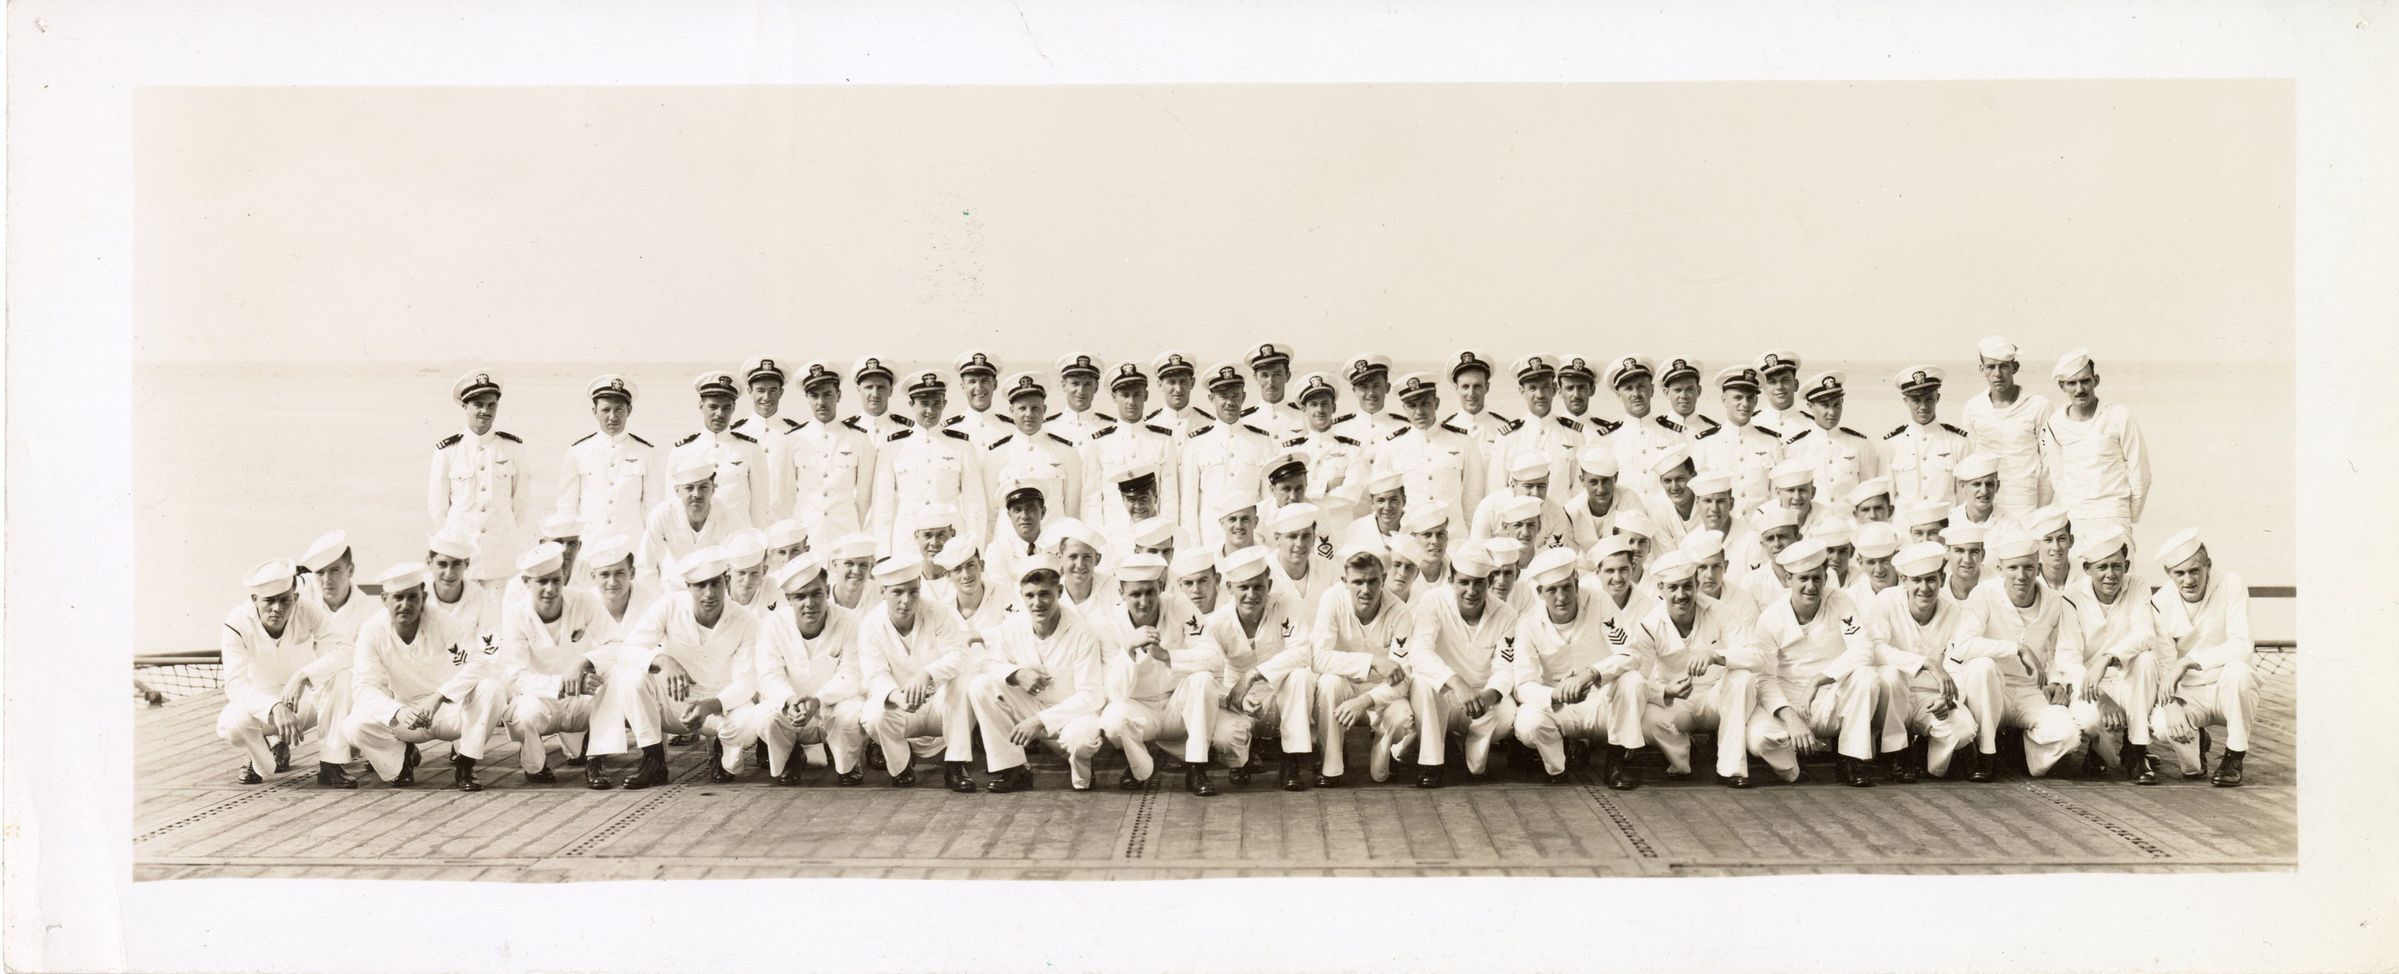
{"x":283,"y":676}
{"x":2098,"y":455}
{"x":742,"y":487}
{"x":1923,"y":452}
{"x":1078,"y":387}
{"x":1678,"y":378}
{"x":611,"y":478}
{"x":1458,"y":684}
{"x":1741,"y":447}
{"x":832,"y":472}
{"x":1034,"y":456}
{"x":2210,"y":679}
{"x":979,"y":381}
{"x":1222,"y":461}
{"x":1471,"y":376}
{"x":1778,"y":380}
{"x":764,"y":380}
{"x":1176,"y":373}
{"x":421,"y":676}
{"x":478,"y":485}
{"x":1276,"y":412}
{"x":1556,"y":439}
{"x":2004,"y":421}
{"x":1044,"y":681}
{"x":550,"y":658}
{"x":1126,"y":445}
{"x":927,"y":465}
{"x":1843,"y":457}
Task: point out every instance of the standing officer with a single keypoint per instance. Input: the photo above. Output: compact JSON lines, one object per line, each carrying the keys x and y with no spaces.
{"x":1437,"y":462}
{"x":927,"y":465}
{"x":1843,"y":457}
{"x":1270,"y":367}
{"x":1643,"y":437}
{"x":1923,"y":451}
{"x":1576,"y":382}
{"x":1221,"y":461}
{"x":2102,"y":466}
{"x":1079,"y":380}
{"x":610,"y":478}
{"x":875,"y":418}
{"x":765,"y":381}
{"x":1742,"y":448}
{"x":741,"y":480}
{"x":1034,"y":456}
{"x":1472,"y":377}
{"x":2005,"y":421}
{"x":1370,"y":381}
{"x":477,"y":486}
{"x":1336,"y":461}
{"x":979,"y":378}
{"x":1556,"y":438}
{"x":1778,"y":374}
{"x":1175,"y":374}
{"x":1680,"y":379}
{"x":1123,"y":446}
{"x":832,"y":463}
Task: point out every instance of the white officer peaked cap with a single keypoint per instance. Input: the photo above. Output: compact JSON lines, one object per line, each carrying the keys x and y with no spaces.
{"x":1225,"y":375}
{"x":759,"y":365}
{"x":2071,"y":364}
{"x":325,"y":550}
{"x":1528,"y":466}
{"x":744,"y":550}
{"x":1518,"y":509}
{"x":933,"y":516}
{"x":451,"y":544}
{"x":1975,"y":467}
{"x":2013,"y":544}
{"x":972,"y":361}
{"x":1867,"y":490}
{"x":1128,"y":373}
{"x":902,"y":567}
{"x":1468,"y":361}
{"x":1291,"y":463}
{"x":925,"y":384}
{"x":1130,"y":474}
{"x":1825,"y":385}
{"x":1921,"y":558}
{"x":1673,"y":456}
{"x":1774,"y":516}
{"x":1920,"y":514}
{"x":1405,"y":547}
{"x":1790,"y":473}
{"x":2182,"y":547}
{"x":785,"y":533}
{"x":611,"y":386}
{"x":398,"y":578}
{"x":270,"y":578}
{"x":1529,"y":367}
{"x":1038,"y":563}
{"x":1712,"y":482}
{"x":1635,"y":522}
{"x":1295,"y":518}
{"x":1152,"y":532}
{"x":1575,"y":367}
{"x":1702,"y":545}
{"x":1366,"y":365}
{"x":1802,"y":556}
{"x":955,"y":553}
{"x":1423,"y":517}
{"x":1837,"y":532}
{"x":607,"y":552}
{"x":2102,"y":545}
{"x":1242,"y":565}
{"x":1598,"y":461}
{"x":702,"y":565}
{"x":715,"y":382}
{"x":1414,"y":386}
{"x":1316,"y":384}
{"x":541,"y":559}
{"x":1142,"y":566}
{"x":1678,"y":368}
{"x":1079,"y":363}
{"x":1551,"y":566}
{"x":1918,"y":378}
{"x":692,"y":470}
{"x":1996,"y":349}
{"x":1966,"y":532}
{"x":560,"y":527}
{"x":852,"y":546}
{"x":1385,"y":482}
{"x":1737,"y":377}
{"x":870,"y":366}
{"x":474,"y":384}
{"x":795,"y":574}
{"x":1777,"y":360}
{"x":1170,"y":363}
{"x":1626,"y":369}
{"x":1198,"y":561}
{"x":2046,"y":521}
{"x":1269,"y":354}
{"x":1673,"y":566}
{"x":1876,"y":539}
{"x":817,"y":372}
{"x":1471,"y":561}
{"x":1606,"y":548}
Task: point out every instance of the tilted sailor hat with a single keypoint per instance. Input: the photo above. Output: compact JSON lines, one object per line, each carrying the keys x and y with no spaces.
{"x":270,"y":578}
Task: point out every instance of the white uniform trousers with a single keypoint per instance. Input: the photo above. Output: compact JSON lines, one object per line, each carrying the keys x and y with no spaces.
{"x":753,"y":722}
{"x":327,"y":707}
{"x":1440,"y":713}
{"x":1612,"y":713}
{"x":999,"y":707}
{"x":1907,"y":708}
{"x":1391,"y":723}
{"x":2133,"y":688}
{"x":1193,"y":713}
{"x":531,"y":718}
{"x":467,"y":722}
{"x":1283,"y":704}
{"x":1842,"y":710}
{"x":2050,"y":732}
{"x":1722,"y":707}
{"x":2227,"y":702}
{"x":634,"y":697}
{"x":946,"y":717}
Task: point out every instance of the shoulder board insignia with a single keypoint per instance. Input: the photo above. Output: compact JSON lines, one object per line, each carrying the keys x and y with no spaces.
{"x":687,"y":439}
{"x":512,"y":438}
{"x":1101,"y":417}
{"x":1338,"y":438}
{"x":1605,"y":426}
{"x":1896,"y":430}
{"x":744,"y":437}
{"x":1945,"y":426}
{"x":1500,"y":419}
{"x":1253,"y":429}
{"x":801,"y":425}
{"x":1395,"y":434}
{"x":954,"y":420}
{"x":1453,"y":429}
{"x":1153,"y":414}
{"x":1670,"y":424}
{"x":449,"y":441}
{"x":1102,"y":431}
{"x":1844,"y":429}
{"x":1345,"y":417}
{"x":995,"y":444}
{"x":1710,"y":431}
{"x":1155,"y":428}
{"x":1769,"y":431}
{"x":1197,"y":430}
{"x":1395,"y":417}
{"x":1705,"y":419}
{"x":1246,"y":410}
{"x":791,"y":424}
{"x":1513,"y":426}
{"x":1052,"y":418}
{"x":1203,"y":414}
{"x":586,"y":436}
{"x":1062,"y":441}
{"x":852,"y":422}
{"x":1569,"y":423}
{"x":635,"y":437}
{"x":1801,"y":435}
{"x":1296,"y":441}
{"x":903,"y":420}
{"x":739,"y":423}
{"x":956,"y":434}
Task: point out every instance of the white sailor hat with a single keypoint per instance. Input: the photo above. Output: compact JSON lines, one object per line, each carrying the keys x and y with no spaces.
{"x":971,"y":362}
{"x":1519,"y":509}
{"x":1225,"y":375}
{"x":2180,"y":548}
{"x":2046,"y":521}
{"x":1384,"y":483}
{"x":474,"y":384}
{"x":1775,"y":516}
{"x":904,"y":565}
{"x":2013,"y":544}
{"x":1468,"y":361}
{"x":1504,"y":551}
{"x":760,"y":366}
{"x":1242,"y":565}
{"x":1127,"y":374}
{"x":954,"y":553}
{"x":1996,"y":349}
{"x":1078,"y":363}
{"x":1604,"y":549}
{"x":795,"y":574}
{"x":1636,"y":523}
{"x":1141,"y":566}
{"x":744,"y":550}
{"x":695,"y":467}
{"x":702,"y":565}
{"x":1038,"y":563}
{"x":396,"y":579}
{"x":1737,"y":377}
{"x":1794,"y":472}
{"x":2102,"y":545}
{"x":611,"y":386}
{"x":933,"y":517}
{"x":1920,"y":514}
{"x":1471,"y":561}
{"x":1269,"y":354}
{"x":1363,"y":543}
{"x":1672,"y":567}
{"x":1072,"y":529}
{"x":870,"y":367}
{"x":1965,"y":533}
{"x":1551,"y":566}
{"x":1532,"y":367}
{"x":1529,"y":466}
{"x":1294,"y":518}
{"x":1975,"y":466}
{"x":1678,"y":368}
{"x":1672,"y":457}
{"x":715,"y":382}
{"x":1288,"y":464}
{"x":271,"y":578}
{"x":1199,"y":561}
{"x":1867,"y":490}
{"x":608,"y":552}
{"x":1423,"y":516}
{"x":1135,"y":476}
{"x":1777,"y":360}
{"x":785,"y":533}
{"x":1876,"y":539}
{"x":926,"y":383}
{"x":1224,"y":504}
{"x":1917,"y":379}
{"x":1702,"y":545}
{"x":1802,"y":555}
{"x":1598,"y":460}
{"x":451,"y":544}
{"x":2071,"y":364}
{"x":1574,"y":367}
{"x":1172,"y":363}
{"x":541,"y":559}
{"x":561,"y":527}
{"x":1405,"y":548}
{"x":850,"y":547}
{"x":1315,"y":384}
{"x":1626,"y":369}
{"x":1836,"y":532}
{"x":1153,"y":532}
{"x":1921,"y":558}
{"x":1825,"y":385}
{"x":1414,"y":386}
{"x":1025,"y":384}
{"x":325,"y":550}
{"x":1366,"y":365}
{"x":1711,"y":483}
{"x":816,"y":373}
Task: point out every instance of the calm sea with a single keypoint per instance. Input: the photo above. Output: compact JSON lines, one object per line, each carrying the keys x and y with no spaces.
{"x":238,"y":463}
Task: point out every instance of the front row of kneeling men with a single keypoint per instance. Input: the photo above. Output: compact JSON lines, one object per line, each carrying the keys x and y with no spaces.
{"x":1486,"y":641}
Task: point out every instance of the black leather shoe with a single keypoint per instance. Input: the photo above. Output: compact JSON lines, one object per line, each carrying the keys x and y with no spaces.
{"x":1428,"y":776}
{"x":1329,"y":780}
{"x":1737,"y":781}
{"x":955,"y":778}
{"x":1677,"y":776}
{"x":577,"y":760}
{"x":408,"y":762}
{"x":1129,"y":783}
{"x":462,"y":773}
{"x":1013,"y":779}
{"x":1241,"y":775}
{"x":851,"y":778}
{"x":906,"y":778}
{"x":1901,"y":765}
{"x":1196,"y":780}
{"x":2198,"y":771}
{"x":283,"y":756}
{"x":331,"y":775}
{"x":2228,"y":770}
{"x":874,"y":758}
{"x":595,"y":774}
{"x":1853,"y":773}
{"x":2092,"y":766}
{"x":716,"y":763}
{"x":1292,"y":779}
{"x":652,"y":771}
{"x":759,"y":757}
{"x":1986,"y":768}
{"x":248,"y":775}
{"x":2139,"y":767}
{"x":1560,"y":778}
{"x":1619,"y":773}
{"x":542,"y":777}
{"x":793,"y":767}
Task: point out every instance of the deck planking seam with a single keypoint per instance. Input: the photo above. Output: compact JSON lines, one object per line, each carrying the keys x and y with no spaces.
{"x":1144,"y":817}
{"x":1616,"y":816}
{"x":648,"y":805}
{"x":2084,"y":812}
